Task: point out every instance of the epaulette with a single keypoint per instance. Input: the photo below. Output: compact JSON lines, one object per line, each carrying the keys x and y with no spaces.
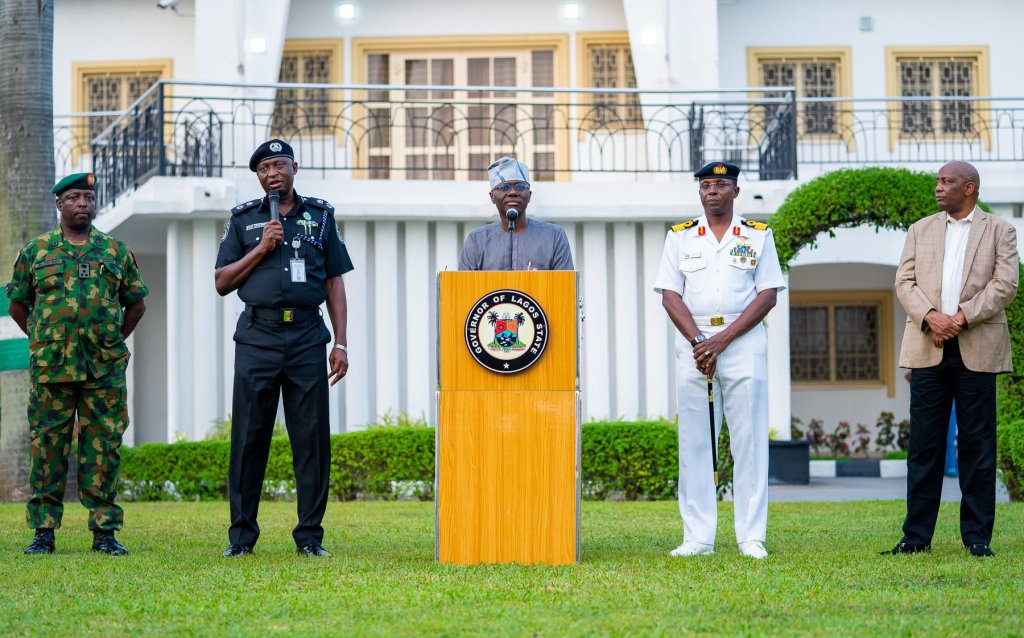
{"x":755,"y":225}
{"x":322,"y":204}
{"x":685,"y":225}
{"x":241,"y":208}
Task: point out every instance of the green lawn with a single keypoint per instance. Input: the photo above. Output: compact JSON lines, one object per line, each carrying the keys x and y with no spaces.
{"x":824,"y":577}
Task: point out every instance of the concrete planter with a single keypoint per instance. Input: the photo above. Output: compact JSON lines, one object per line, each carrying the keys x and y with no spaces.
{"x":787,"y":462}
{"x":822,"y":469}
{"x":893,"y":468}
{"x":857,"y":467}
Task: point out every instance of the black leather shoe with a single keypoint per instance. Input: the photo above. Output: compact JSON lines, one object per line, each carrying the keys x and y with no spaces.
{"x":316,"y":550}
{"x":981,"y":550}
{"x":43,"y":543}
{"x":907,"y":548}
{"x":237,"y":550}
{"x":106,"y":543}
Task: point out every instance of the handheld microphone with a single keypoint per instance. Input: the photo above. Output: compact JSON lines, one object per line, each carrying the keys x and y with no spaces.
{"x":274,"y":198}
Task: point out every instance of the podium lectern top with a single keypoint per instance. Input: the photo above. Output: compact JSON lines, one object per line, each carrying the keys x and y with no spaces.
{"x":508,"y":330}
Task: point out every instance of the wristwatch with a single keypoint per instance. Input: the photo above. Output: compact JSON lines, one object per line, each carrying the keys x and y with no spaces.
{"x":700,"y":338}
{"x":338,"y":346}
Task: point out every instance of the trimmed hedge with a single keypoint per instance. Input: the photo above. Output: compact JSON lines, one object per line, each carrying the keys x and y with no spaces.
{"x":631,"y":460}
{"x":1010,"y":446}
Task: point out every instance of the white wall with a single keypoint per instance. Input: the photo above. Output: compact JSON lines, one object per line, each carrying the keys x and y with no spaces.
{"x":318,"y":18}
{"x":111,"y":30}
{"x":787,"y":23}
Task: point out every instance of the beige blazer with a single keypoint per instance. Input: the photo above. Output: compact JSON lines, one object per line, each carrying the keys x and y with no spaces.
{"x":988,"y":286}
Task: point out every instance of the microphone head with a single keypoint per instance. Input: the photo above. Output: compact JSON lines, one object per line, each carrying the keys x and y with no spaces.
{"x":274,"y":195}
{"x":512,"y":214}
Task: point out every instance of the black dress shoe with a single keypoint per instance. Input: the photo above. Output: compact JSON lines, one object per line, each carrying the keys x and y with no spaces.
{"x":106,"y":543}
{"x":981,"y":550}
{"x":316,"y":550}
{"x":907,"y":548}
{"x":43,"y":543}
{"x":237,"y":550}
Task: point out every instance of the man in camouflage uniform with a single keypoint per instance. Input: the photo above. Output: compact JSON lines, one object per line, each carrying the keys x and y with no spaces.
{"x":77,"y":293}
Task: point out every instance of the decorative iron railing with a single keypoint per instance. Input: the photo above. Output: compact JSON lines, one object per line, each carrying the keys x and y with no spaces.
{"x":448,"y":132}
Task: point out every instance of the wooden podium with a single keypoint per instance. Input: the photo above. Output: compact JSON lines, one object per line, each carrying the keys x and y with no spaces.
{"x":507,"y":484}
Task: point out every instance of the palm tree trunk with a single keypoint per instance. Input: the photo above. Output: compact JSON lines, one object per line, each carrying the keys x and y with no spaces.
{"x":26,"y":206}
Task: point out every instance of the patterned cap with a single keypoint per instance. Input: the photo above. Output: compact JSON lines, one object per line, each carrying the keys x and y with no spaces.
{"x":268,"y":150}
{"x":81,"y":181}
{"x":507,"y":169}
{"x":718,"y":170}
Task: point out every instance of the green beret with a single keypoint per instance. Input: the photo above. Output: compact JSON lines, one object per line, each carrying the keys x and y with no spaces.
{"x":81,"y":181}
{"x":719,"y":170}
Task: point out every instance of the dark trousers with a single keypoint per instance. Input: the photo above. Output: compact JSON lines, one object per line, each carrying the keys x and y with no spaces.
{"x":932,"y":392}
{"x":273,"y":360}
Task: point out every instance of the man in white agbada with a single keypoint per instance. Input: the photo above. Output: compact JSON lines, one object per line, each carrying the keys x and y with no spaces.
{"x":535,"y":245}
{"x":719,"y":277}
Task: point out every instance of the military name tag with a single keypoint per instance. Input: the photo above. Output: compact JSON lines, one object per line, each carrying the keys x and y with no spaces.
{"x":83,"y":271}
{"x":298,"y":270}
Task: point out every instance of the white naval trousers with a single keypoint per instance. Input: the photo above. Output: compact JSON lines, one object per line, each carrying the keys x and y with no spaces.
{"x":741,"y":389}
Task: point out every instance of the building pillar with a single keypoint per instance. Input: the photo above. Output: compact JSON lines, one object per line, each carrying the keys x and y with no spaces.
{"x":779,"y":385}
{"x":206,"y":377}
{"x":179,"y":330}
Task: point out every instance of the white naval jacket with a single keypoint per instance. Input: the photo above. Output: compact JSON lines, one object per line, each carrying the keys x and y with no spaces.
{"x":719,"y":278}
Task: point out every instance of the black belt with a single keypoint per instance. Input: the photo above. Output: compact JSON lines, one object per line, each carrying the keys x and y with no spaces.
{"x":284,"y":315}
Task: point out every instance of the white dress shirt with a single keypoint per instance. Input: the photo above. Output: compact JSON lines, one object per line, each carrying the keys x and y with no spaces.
{"x":957,"y":232}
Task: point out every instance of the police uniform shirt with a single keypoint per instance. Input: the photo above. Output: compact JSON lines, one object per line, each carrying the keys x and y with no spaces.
{"x":719,"y":278}
{"x":270,"y":283}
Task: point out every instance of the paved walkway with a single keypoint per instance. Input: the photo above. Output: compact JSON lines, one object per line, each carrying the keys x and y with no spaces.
{"x":863,"y":489}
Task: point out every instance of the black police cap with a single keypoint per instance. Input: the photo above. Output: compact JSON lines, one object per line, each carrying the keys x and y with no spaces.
{"x":719,"y":170}
{"x":268,"y":150}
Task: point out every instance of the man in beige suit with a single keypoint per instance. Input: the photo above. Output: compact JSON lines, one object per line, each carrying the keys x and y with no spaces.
{"x":957,"y":275}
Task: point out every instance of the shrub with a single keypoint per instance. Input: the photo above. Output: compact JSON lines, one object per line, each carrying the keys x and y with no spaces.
{"x":1010,"y":446}
{"x":637,"y":460}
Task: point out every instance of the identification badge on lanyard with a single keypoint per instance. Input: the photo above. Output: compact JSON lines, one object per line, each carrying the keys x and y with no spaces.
{"x":298,"y":270}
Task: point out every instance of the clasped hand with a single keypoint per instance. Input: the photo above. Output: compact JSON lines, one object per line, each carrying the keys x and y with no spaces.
{"x":705,"y":354}
{"x":944,"y":327}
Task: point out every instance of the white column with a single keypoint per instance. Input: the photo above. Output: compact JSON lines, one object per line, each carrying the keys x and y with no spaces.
{"x":207,"y":368}
{"x":779,"y":387}
{"x":385,"y":317}
{"x":357,"y":384}
{"x":596,"y":381}
{"x":659,"y":346}
{"x":446,"y":246}
{"x":693,"y":44}
{"x":626,"y":375}
{"x":418,"y":323}
{"x":179,"y":329}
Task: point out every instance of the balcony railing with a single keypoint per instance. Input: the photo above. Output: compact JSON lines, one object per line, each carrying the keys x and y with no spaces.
{"x":447,"y":132}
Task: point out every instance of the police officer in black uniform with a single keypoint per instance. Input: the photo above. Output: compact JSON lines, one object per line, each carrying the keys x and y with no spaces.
{"x":283,"y":270}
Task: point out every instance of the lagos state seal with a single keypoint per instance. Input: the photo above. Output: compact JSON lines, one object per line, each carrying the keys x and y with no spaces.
{"x":506,"y":331}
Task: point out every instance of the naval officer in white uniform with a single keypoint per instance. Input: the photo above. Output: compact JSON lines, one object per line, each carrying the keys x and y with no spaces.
{"x":719,"y":277}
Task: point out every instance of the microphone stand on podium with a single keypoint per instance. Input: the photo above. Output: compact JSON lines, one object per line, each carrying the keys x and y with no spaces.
{"x":512,"y":215}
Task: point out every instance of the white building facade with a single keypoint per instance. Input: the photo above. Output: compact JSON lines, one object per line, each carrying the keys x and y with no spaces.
{"x":404,"y":167}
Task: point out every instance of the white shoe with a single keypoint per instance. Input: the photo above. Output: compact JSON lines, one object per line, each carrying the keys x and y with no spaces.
{"x":754,"y":549}
{"x":692,"y":548}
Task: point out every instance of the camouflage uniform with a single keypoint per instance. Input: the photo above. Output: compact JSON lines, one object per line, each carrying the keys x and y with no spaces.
{"x":76,"y":296}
